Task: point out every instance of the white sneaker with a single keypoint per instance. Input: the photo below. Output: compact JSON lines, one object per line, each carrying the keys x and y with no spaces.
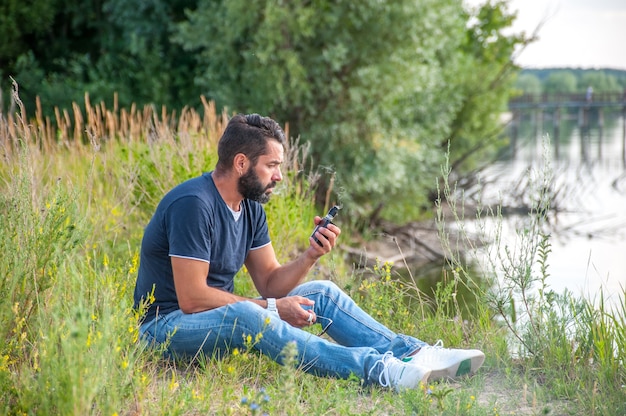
{"x":446,"y":362}
{"x":400,"y":375}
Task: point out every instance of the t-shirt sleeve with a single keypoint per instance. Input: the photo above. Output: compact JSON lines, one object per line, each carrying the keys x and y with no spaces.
{"x":187,"y":223}
{"x":261,"y":234}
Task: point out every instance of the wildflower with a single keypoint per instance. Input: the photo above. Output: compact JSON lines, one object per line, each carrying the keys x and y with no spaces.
{"x":173,"y":385}
{"x":4,"y":363}
{"x":195,"y":394}
{"x":134,"y":263}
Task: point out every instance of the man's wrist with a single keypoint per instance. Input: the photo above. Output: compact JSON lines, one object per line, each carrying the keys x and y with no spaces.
{"x":312,"y":255}
{"x":271,"y":305}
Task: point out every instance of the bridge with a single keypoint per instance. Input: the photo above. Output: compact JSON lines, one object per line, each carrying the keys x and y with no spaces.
{"x":561,"y":100}
{"x":551,"y":106}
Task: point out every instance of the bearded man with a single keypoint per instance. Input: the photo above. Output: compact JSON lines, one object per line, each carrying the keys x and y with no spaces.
{"x":202,"y":233}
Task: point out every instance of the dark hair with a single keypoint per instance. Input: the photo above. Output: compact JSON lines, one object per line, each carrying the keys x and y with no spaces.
{"x":247,"y":134}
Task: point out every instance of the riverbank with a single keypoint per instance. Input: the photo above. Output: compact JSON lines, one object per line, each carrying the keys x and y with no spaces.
{"x":71,"y":222}
{"x":416,"y":244}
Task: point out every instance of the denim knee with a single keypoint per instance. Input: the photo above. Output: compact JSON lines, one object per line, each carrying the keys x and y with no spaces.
{"x":325,"y":286}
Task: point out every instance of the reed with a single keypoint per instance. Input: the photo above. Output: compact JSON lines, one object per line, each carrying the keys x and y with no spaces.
{"x":78,"y":128}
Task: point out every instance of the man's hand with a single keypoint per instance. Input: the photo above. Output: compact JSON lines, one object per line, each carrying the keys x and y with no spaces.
{"x":291,"y":311}
{"x":327,"y":237}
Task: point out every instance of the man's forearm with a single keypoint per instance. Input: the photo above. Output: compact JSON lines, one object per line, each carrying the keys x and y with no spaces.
{"x":285,"y":278}
{"x":208,"y":298}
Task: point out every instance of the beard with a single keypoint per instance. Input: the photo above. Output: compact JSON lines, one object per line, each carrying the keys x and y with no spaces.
{"x":250,"y":187}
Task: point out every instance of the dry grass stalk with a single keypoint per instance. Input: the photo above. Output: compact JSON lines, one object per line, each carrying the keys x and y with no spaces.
{"x":70,"y":130}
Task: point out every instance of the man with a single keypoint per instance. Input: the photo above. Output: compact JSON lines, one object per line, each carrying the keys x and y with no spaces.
{"x":206,"y":228}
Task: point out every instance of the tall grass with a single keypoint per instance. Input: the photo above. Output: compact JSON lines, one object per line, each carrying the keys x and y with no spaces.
{"x":73,"y":202}
{"x":72,"y":211}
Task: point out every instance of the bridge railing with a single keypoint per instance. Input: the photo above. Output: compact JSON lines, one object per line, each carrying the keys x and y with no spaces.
{"x":602,"y":99}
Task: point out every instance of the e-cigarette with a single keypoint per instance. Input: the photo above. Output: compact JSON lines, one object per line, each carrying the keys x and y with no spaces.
{"x":328,"y":219}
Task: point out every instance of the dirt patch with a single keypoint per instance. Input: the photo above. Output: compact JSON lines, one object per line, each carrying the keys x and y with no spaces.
{"x":501,"y":393}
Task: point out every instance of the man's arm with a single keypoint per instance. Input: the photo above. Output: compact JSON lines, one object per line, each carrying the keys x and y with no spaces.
{"x":193,"y":294}
{"x":270,"y":278}
{"x":274,"y":280}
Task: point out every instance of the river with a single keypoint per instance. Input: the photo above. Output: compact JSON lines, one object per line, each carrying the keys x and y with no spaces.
{"x":588,"y":221}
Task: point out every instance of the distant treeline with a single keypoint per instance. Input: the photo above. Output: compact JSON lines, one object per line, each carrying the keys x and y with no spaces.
{"x":570,"y":80}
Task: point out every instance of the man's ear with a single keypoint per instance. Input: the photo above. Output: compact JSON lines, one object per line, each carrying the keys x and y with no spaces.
{"x":240,"y":163}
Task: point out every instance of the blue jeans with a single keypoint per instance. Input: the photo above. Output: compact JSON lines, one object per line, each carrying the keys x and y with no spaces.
{"x":360,"y":341}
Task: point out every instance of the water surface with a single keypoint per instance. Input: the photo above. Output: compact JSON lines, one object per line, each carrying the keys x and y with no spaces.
{"x":588,"y":220}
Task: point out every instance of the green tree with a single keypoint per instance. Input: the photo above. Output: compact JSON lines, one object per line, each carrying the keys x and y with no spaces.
{"x":528,"y":84}
{"x":103,"y":47}
{"x":378,"y":88}
{"x":600,"y":81}
{"x":482,"y":84}
{"x":21,"y":22}
{"x":561,"y":81}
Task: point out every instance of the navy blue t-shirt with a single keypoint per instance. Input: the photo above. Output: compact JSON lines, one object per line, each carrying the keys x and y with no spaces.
{"x":193,"y":221}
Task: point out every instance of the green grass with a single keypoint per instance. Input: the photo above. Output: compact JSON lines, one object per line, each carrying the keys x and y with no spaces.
{"x":71,"y":220}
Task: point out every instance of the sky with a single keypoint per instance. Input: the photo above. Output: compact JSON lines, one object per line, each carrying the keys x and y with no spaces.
{"x":574,"y":34}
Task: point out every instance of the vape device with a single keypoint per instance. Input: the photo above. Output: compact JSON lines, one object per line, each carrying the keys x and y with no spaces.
{"x":332,"y":213}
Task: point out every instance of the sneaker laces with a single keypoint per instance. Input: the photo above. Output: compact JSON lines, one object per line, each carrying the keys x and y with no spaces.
{"x":430,"y":352}
{"x":384,"y":374}
{"x":436,"y":345}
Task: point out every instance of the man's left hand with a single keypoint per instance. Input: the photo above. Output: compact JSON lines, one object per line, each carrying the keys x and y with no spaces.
{"x":327,"y":239}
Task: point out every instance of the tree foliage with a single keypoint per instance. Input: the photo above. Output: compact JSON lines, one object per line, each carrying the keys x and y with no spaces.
{"x":20,"y":22}
{"x":379,"y":88}
{"x":561,"y":82}
{"x":528,"y":84}
{"x":103,"y":47}
{"x":601,"y":80}
{"x":483,"y":84}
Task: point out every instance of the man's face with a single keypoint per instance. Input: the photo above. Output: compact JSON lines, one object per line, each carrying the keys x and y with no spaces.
{"x":259,"y":180}
{"x":251,"y":187}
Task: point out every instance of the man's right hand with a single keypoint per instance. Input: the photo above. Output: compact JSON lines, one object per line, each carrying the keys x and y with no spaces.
{"x":291,"y":310}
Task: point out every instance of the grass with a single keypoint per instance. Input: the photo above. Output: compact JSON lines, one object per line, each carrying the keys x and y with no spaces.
{"x":73,"y":207}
